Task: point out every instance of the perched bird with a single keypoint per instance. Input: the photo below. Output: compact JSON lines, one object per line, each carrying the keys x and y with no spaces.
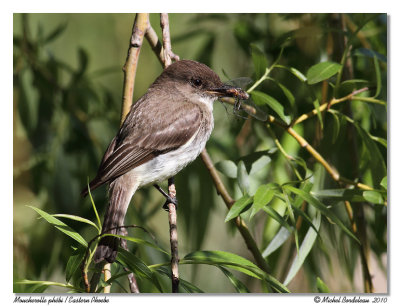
{"x":164,"y":131}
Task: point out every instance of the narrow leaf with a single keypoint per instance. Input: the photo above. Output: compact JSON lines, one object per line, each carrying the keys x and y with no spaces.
{"x":262,"y":197}
{"x":316,"y":107}
{"x":279,"y":239}
{"x":373,"y":196}
{"x":225,"y":259}
{"x":238,"y":207}
{"x":378,"y":77}
{"x":321,"y":286}
{"x":259,"y":61}
{"x":139,"y":241}
{"x":322,"y":208}
{"x":304,"y":250}
{"x":61,"y":226}
{"x":277,"y":217}
{"x":384,"y":182}
{"x":259,"y":164}
{"x":353,"y":195}
{"x":322,"y":71}
{"x":76,"y":218}
{"x":137,"y":266}
{"x":48,"y":283}
{"x":335,"y":127}
{"x":243,"y":177}
{"x":239,"y":286}
{"x":185,"y":285}
{"x":261,"y":99}
{"x":74,"y":262}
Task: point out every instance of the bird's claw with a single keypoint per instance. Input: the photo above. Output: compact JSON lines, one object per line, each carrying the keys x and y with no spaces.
{"x":170,"y":200}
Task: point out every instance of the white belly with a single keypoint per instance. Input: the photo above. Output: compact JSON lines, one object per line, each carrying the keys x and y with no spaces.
{"x":169,"y":164}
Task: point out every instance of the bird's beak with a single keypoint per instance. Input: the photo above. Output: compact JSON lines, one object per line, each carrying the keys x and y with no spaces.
{"x":229,"y":91}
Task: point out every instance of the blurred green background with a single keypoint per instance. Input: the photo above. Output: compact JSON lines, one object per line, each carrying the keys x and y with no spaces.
{"x":67,"y":97}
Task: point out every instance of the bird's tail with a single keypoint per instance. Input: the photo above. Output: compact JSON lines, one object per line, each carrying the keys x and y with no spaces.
{"x":120,"y":194}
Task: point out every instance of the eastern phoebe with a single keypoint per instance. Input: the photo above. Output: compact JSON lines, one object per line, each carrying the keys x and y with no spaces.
{"x":165,"y":130}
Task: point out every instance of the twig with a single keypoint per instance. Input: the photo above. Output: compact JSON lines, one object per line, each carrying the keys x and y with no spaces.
{"x":326,"y":106}
{"x":130,"y":67}
{"x":139,"y":29}
{"x":131,"y":277}
{"x":173,"y":236}
{"x":303,"y":143}
{"x":168,"y":55}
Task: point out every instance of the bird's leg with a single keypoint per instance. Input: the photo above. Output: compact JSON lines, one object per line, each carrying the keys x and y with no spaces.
{"x":170,"y":199}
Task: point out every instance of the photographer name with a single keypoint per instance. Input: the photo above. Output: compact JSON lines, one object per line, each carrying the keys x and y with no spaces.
{"x":344,"y":299}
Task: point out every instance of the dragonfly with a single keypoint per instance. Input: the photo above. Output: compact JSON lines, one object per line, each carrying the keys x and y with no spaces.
{"x":244,"y":102}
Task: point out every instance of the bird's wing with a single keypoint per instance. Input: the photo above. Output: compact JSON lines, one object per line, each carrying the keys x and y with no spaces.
{"x":143,"y":140}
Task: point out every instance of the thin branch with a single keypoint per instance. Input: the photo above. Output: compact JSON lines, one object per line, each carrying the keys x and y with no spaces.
{"x":168,"y":54}
{"x":173,"y":229}
{"x":173,"y":236}
{"x":139,"y":29}
{"x":131,"y":277}
{"x":303,"y":143}
{"x":326,"y":106}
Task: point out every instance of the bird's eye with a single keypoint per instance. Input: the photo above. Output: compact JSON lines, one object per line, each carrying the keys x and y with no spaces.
{"x":197,"y":82}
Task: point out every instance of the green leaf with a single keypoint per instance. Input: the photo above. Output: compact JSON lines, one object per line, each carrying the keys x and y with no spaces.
{"x":352,"y":195}
{"x":74,"y":262}
{"x":279,"y":239}
{"x":288,"y":94}
{"x":378,"y":77}
{"x":261,"y":99}
{"x":259,"y":164}
{"x":61,"y":226}
{"x":48,"y":283}
{"x":228,"y":168}
{"x":233,"y":261}
{"x":138,"y":241}
{"x":295,"y":72}
{"x":259,"y":61}
{"x":321,"y":286}
{"x":305,"y":249}
{"x":238,"y":207}
{"x":137,"y":266}
{"x":377,"y":163}
{"x":322,"y":208}
{"x":94,"y":208}
{"x":384,"y":182}
{"x":220,"y":258}
{"x":322,"y":71}
{"x":373,"y":196}
{"x":255,"y":161}
{"x":76,"y":218}
{"x":317,"y":106}
{"x":262,"y":197}
{"x":239,"y":286}
{"x":56,"y":32}
{"x":187,"y":286}
{"x":335,"y":127}
{"x":277,"y":217}
{"x":243,"y":177}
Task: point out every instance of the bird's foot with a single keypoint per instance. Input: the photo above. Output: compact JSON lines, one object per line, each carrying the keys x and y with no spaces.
{"x":169,"y":200}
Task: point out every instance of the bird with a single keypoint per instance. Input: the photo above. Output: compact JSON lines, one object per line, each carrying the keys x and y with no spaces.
{"x":164,"y":131}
